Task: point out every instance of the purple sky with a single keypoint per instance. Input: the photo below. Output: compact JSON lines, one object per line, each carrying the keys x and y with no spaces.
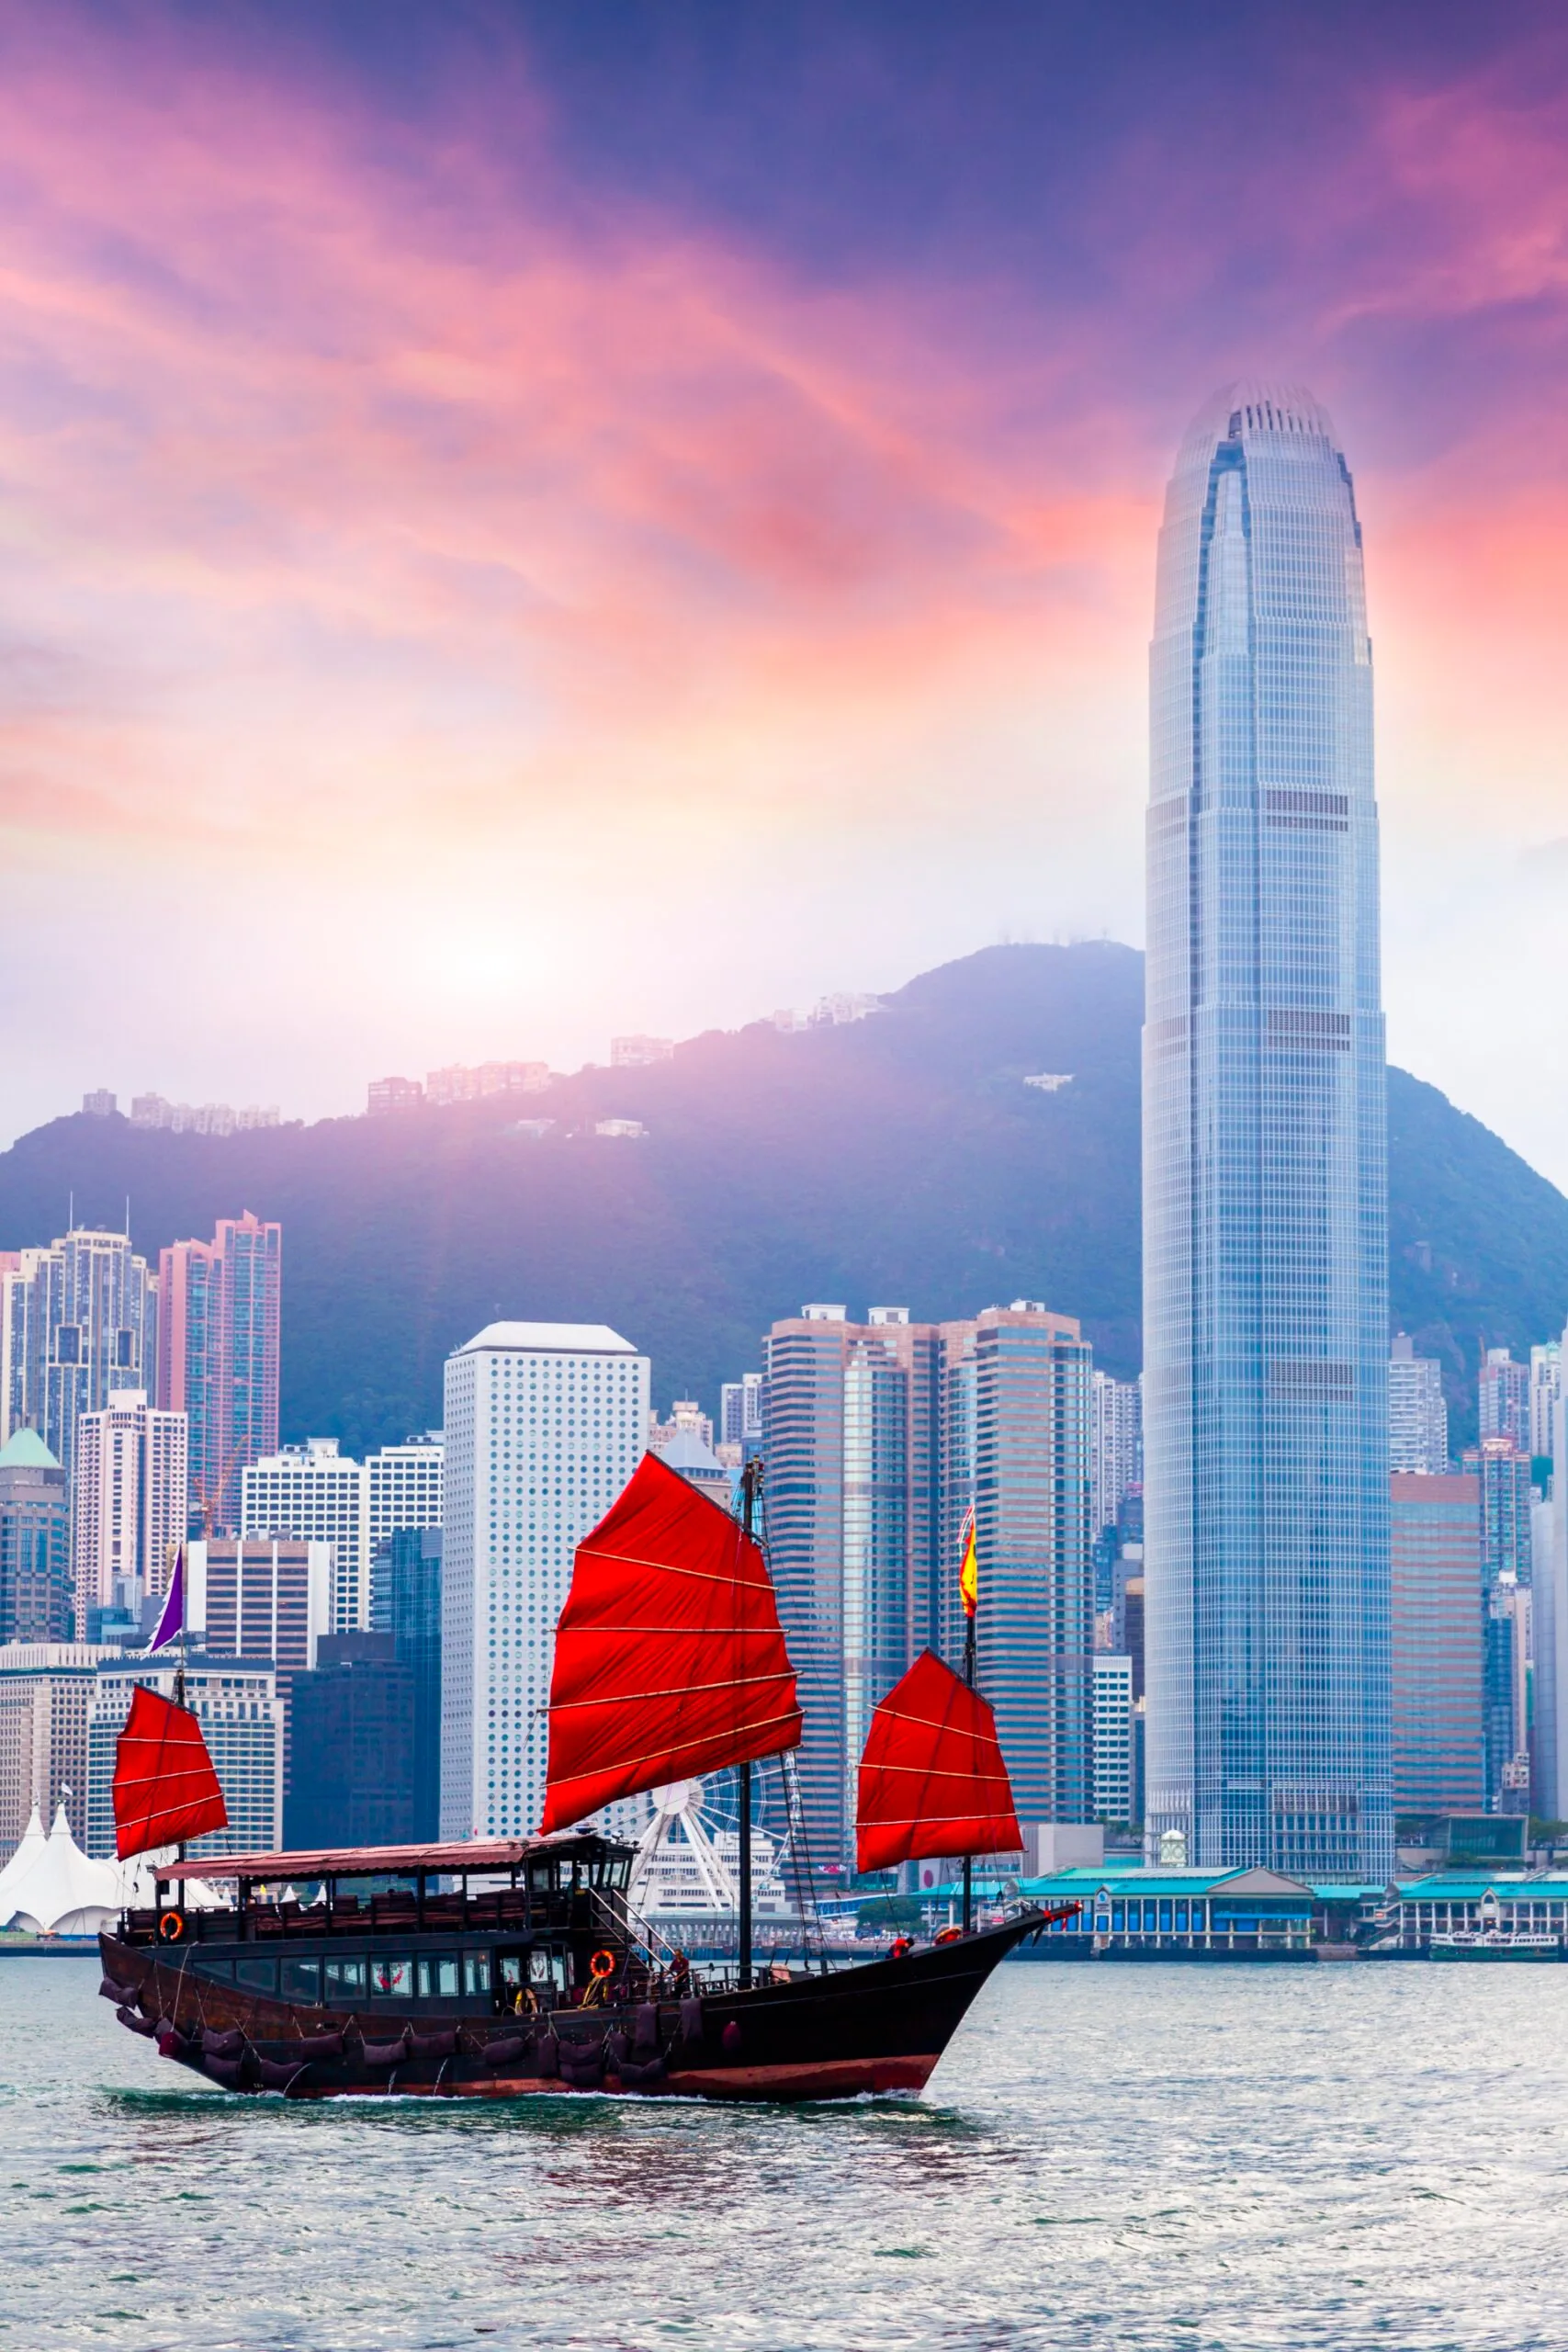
{"x":518,"y":522}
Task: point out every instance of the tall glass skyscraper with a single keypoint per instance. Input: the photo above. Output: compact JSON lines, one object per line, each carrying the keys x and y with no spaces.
{"x":1265,"y":1201}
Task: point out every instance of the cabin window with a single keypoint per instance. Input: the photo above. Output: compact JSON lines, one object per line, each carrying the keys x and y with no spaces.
{"x":220,"y":1968}
{"x":345,"y":1980}
{"x":475,"y":1971}
{"x":1165,"y":1918}
{"x":391,"y":1979}
{"x":508,"y":1973}
{"x":541,"y":1877}
{"x":256,"y":1975}
{"x":1181,"y":1919}
{"x":438,"y":1976}
{"x":1117,"y":1917}
{"x":539,"y":1965}
{"x":303,"y":1980}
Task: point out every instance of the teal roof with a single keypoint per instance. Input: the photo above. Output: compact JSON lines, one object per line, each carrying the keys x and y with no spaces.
{"x":26,"y":1450}
{"x":1469,"y":1886}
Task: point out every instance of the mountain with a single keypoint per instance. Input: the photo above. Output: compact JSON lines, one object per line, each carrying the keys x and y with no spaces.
{"x":901,"y":1160}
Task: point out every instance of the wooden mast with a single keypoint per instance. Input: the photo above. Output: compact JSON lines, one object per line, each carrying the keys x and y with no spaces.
{"x":748,"y":1478}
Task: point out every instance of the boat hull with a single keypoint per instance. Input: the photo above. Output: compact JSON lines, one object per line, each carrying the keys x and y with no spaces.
{"x":879,"y":2026}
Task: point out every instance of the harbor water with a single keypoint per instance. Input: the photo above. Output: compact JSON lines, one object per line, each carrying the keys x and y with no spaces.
{"x":1192,"y":2155}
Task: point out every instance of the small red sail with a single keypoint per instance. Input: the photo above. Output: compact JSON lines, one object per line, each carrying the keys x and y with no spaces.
{"x":164,"y":1787}
{"x":932,"y":1780}
{"x":670,"y":1657}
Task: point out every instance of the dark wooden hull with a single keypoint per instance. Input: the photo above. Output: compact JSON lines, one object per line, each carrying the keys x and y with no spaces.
{"x":880,"y":2026}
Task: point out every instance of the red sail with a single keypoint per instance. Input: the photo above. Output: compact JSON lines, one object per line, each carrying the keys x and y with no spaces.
{"x":164,"y":1787}
{"x":931,"y":1779}
{"x":670,"y":1657}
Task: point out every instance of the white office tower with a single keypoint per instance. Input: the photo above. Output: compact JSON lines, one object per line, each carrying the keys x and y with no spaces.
{"x":130,"y":1507}
{"x":545,"y":1424}
{"x":1116,"y":1447}
{"x":1112,"y":1736}
{"x":1546,"y":1388}
{"x":403,"y":1487}
{"x":323,"y":1496}
{"x":1417,"y":1416}
{"x":77,"y":1321}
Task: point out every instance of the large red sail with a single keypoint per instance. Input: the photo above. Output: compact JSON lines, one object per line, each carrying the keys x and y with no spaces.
{"x":932,"y":1780}
{"x":164,"y":1787}
{"x":670,"y":1657}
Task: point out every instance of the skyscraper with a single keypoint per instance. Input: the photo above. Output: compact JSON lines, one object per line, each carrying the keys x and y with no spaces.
{"x":1418,"y":1415}
{"x":37,"y":1596}
{"x":1546,"y":1388}
{"x":313,"y":1491}
{"x":405,"y":1601}
{"x":1435,"y":1548}
{"x":848,"y":1441}
{"x":1116,"y":1446}
{"x":545,"y":1424}
{"x":128,"y":1508}
{"x":879,"y":1439}
{"x":1503,"y":1399}
{"x":219,"y":1304}
{"x":1265,"y":1203}
{"x":77,"y":1321}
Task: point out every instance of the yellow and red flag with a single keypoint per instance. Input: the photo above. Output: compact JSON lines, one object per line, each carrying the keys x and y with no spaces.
{"x":969,"y":1573}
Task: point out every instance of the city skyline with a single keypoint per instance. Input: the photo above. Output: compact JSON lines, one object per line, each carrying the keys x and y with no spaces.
{"x":786,"y":530}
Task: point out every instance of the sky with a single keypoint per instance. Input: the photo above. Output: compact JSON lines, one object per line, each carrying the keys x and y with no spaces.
{"x":523,"y":522}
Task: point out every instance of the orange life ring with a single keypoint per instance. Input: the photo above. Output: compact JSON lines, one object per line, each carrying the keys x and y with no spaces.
{"x":171,"y":1927}
{"x":949,"y":1935}
{"x":603,"y":1964}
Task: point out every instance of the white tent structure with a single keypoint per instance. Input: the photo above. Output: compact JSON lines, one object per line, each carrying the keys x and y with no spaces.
{"x":64,"y":1893}
{"x":21,"y":1862}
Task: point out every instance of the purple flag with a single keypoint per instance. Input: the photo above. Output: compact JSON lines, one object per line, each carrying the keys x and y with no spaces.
{"x":172,"y":1623}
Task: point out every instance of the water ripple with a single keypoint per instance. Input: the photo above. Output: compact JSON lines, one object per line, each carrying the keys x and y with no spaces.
{"x":1226,"y":2159}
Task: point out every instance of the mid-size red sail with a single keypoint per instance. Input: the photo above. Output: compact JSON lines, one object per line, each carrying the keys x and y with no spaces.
{"x":932,"y":1780}
{"x":670,"y":1657}
{"x":164,"y":1787}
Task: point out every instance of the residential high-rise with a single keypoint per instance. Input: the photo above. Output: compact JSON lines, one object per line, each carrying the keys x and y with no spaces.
{"x":220,"y":1306}
{"x":128,"y":1510}
{"x":849,"y":1446}
{"x":1435,"y":1556}
{"x":1503,"y":1399}
{"x":77,"y":1322}
{"x":1116,"y":1447}
{"x":235,"y":1701}
{"x":315,"y":1492}
{"x":405,"y":1601}
{"x":1418,"y":1415}
{"x":1035,"y":1628}
{"x":37,"y":1594}
{"x":880,"y":1436}
{"x":1546,"y":1388}
{"x":545,"y":1424}
{"x":46,"y":1691}
{"x":1265,"y":1183}
{"x":741,"y":1412}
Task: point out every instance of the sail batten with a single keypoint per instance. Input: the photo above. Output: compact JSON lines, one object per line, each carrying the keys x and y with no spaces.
{"x":164,"y":1787}
{"x":670,"y":1659}
{"x":932,"y":1780}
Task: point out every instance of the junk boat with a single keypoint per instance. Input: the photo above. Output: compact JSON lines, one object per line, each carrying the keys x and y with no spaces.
{"x":501,"y":1968}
